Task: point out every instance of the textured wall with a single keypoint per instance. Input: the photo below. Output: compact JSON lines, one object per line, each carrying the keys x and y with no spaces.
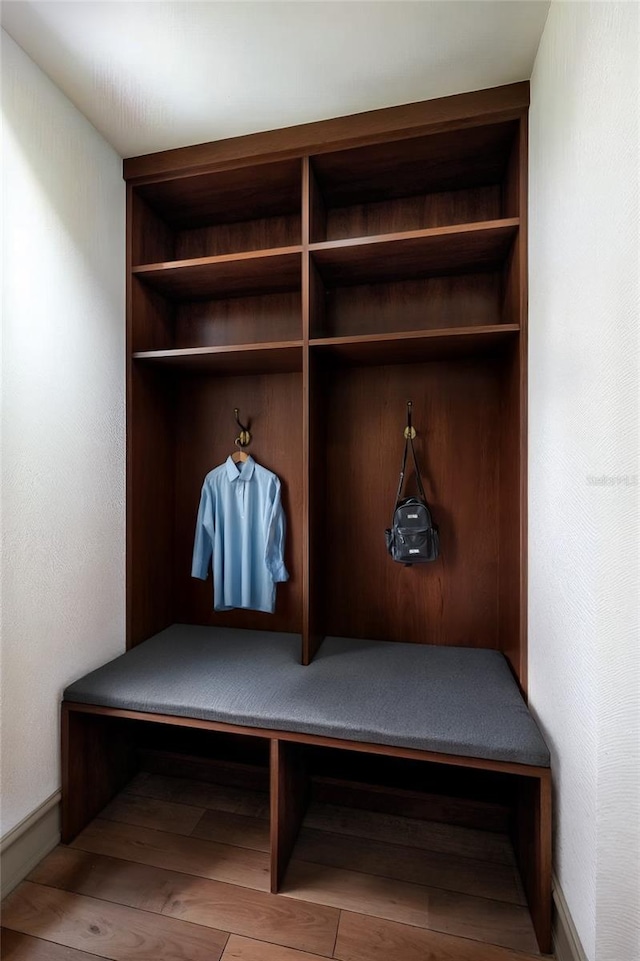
{"x":62,"y":419}
{"x":583,"y":474}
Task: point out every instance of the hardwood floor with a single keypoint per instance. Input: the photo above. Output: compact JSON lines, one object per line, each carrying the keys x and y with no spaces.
{"x":178,"y":870}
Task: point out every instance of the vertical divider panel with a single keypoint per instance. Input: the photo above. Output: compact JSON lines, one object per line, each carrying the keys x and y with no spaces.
{"x":98,"y":758}
{"x":532,"y":839}
{"x":289,"y":797}
{"x":311,"y":634}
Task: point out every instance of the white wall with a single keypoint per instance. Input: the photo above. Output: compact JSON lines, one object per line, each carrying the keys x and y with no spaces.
{"x":583,"y":474}
{"x":62,"y":419}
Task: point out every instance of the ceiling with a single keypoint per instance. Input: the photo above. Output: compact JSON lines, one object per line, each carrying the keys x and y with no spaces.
{"x":155,"y":75}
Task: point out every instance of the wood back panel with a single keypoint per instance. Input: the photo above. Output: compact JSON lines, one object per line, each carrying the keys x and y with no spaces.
{"x":227,"y":196}
{"x":260,"y":234}
{"x":424,"y":304}
{"x":456,"y":414}
{"x":204,"y":439}
{"x":411,"y":213}
{"x":238,"y":320}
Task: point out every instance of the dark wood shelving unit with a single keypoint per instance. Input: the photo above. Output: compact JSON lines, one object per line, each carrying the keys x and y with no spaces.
{"x":415,"y":346}
{"x":269,"y":358}
{"x":317,"y":278}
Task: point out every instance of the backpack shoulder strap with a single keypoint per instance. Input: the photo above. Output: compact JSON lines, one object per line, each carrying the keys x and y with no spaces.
{"x":417,"y":469}
{"x":409,"y":443}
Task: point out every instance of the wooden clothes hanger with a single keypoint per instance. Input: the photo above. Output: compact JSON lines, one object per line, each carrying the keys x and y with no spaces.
{"x":239,"y":456}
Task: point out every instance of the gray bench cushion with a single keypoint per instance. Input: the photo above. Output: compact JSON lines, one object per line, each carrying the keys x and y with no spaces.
{"x":446,"y":699}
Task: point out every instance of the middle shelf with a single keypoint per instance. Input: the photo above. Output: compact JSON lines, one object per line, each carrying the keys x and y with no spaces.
{"x":406,"y":347}
{"x":414,"y":253}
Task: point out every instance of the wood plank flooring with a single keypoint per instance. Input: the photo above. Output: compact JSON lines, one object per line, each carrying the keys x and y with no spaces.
{"x":178,"y":870}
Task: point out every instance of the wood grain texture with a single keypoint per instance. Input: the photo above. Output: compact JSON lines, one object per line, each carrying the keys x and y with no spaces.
{"x":307,"y":927}
{"x":241,"y":360}
{"x":105,"y":878}
{"x":206,"y":859}
{"x":239,"y":320}
{"x":15,"y":946}
{"x":467,"y":110}
{"x":448,"y":161}
{"x":152,"y":318}
{"x":98,"y":759}
{"x":150,"y":813}
{"x":108,"y":930}
{"x":196,"y":900}
{"x":415,"y":212}
{"x":233,"y":238}
{"x":244,"y":274}
{"x":289,"y":797}
{"x":452,"y":601}
{"x":412,"y":347}
{"x":464,"y":248}
{"x":218,"y":797}
{"x":268,"y":190}
{"x":495,"y":922}
{"x":246,"y":949}
{"x":449,"y":872}
{"x":315,"y":476}
{"x":150,"y":495}
{"x":532,"y":837}
{"x":236,"y":829}
{"x":216,"y":770}
{"x":361,"y":938}
{"x":204,"y":409}
{"x":410,"y":832}
{"x":392,"y":798}
{"x":339,"y":744}
{"x":410,"y":305}
{"x":152,"y":240}
{"x":333,"y":795}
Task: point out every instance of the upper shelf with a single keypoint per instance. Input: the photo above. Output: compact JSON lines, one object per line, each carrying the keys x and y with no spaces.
{"x":415,"y":253}
{"x":231,"y":275}
{"x":451,"y":160}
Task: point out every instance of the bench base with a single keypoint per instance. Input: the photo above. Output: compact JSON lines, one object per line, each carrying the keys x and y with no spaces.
{"x":99,"y":757}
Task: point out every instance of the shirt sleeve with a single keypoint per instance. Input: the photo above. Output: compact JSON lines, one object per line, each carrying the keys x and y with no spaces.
{"x":203,"y":544}
{"x":276,"y":533}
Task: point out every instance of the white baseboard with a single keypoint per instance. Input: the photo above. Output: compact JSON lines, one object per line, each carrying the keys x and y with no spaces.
{"x":29,"y":842}
{"x":566,"y":943}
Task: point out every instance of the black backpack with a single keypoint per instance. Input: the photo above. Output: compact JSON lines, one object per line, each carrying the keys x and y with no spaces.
{"x":412,"y":538}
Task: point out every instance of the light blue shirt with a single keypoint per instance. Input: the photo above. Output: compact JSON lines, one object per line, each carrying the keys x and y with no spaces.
{"x":242,"y":525}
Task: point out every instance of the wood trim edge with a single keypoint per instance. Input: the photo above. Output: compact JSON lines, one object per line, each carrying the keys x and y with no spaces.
{"x":365,"y":747}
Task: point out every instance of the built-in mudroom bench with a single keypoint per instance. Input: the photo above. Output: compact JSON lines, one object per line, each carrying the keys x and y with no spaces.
{"x":307,"y":283}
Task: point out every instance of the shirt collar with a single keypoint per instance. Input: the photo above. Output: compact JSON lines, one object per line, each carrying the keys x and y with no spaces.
{"x":242,"y":472}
